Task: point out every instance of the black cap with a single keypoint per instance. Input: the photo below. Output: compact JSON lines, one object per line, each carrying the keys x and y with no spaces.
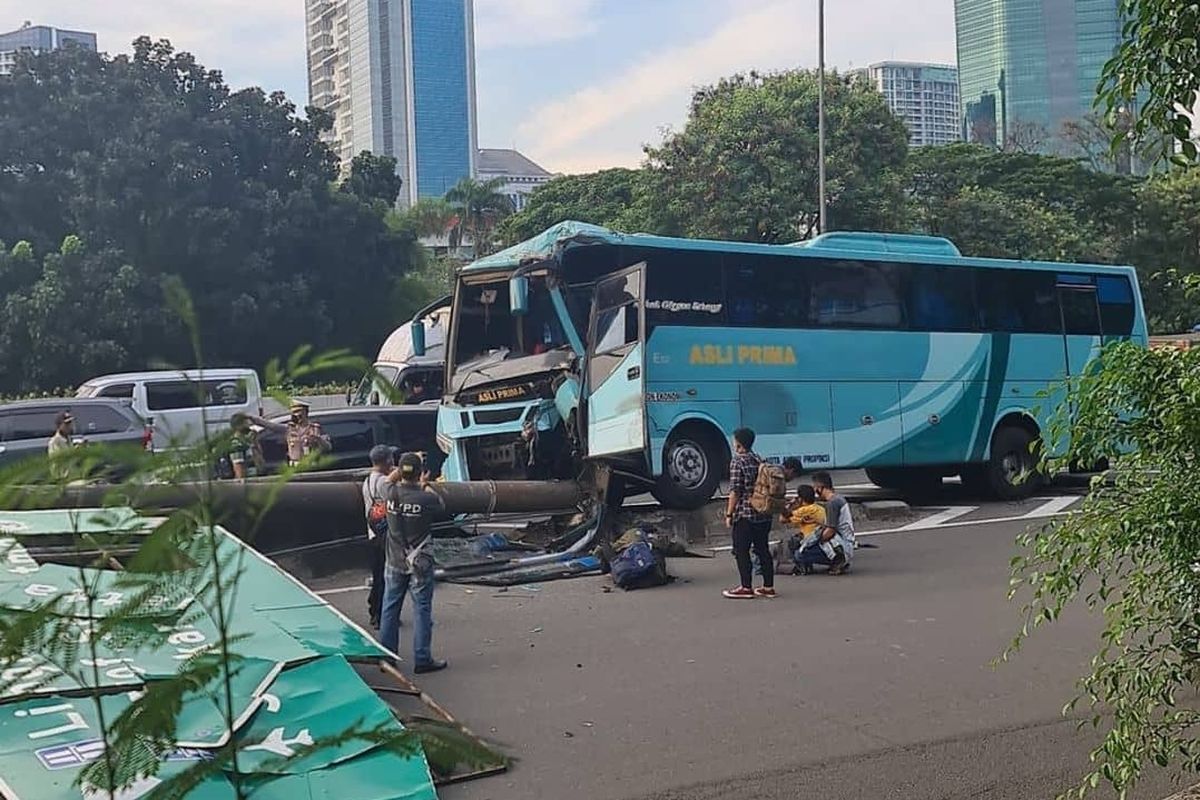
{"x":63,"y":416}
{"x":410,"y":466}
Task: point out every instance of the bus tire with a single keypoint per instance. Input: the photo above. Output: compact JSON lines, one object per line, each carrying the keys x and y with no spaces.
{"x":1012,"y":471}
{"x":693,"y":461}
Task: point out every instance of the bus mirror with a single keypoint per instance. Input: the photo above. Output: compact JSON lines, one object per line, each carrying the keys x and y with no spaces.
{"x":518,"y":293}
{"x":418,"y":337}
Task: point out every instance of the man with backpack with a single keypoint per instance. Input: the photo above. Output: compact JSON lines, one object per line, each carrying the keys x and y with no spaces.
{"x":375,"y":496}
{"x":756,"y":495}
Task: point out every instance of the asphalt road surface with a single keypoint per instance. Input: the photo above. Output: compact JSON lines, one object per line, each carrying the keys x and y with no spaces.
{"x":876,"y":684}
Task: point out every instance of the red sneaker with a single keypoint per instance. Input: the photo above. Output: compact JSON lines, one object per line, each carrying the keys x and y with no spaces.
{"x":740,"y":593}
{"x":764,"y":591}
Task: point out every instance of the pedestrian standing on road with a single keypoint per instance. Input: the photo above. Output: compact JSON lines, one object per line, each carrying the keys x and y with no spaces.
{"x":750,"y":528}
{"x":412,"y":508}
{"x":375,"y":496}
{"x":837,"y":531}
{"x":60,"y":442}
{"x":304,"y":437}
{"x":245,"y":455}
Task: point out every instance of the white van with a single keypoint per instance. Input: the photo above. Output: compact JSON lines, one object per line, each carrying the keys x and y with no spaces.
{"x":178,"y":404}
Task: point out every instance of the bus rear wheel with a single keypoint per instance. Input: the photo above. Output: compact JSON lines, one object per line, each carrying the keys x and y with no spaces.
{"x":692,"y":467}
{"x":1012,"y":471}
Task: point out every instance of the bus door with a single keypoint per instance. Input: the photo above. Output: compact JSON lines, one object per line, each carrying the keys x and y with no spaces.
{"x":1080,"y":321}
{"x":614,"y":380}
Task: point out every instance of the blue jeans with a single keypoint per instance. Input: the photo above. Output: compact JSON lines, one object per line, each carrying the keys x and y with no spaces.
{"x":420,"y":584}
{"x":811,"y":556}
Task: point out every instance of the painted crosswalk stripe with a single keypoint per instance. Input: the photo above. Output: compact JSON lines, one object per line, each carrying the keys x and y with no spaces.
{"x":1052,"y":506}
{"x":940,"y":518}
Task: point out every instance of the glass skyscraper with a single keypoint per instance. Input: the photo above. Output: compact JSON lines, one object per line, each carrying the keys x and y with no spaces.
{"x":1027,"y":66}
{"x":399,"y":78}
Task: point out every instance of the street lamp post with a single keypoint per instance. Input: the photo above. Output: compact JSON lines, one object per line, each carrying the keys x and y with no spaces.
{"x":821,"y":115}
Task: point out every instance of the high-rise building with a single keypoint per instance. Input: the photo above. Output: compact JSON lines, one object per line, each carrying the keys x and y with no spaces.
{"x":398,"y":76}
{"x":925,"y":96}
{"x":1026,"y":67}
{"x":39,"y":39}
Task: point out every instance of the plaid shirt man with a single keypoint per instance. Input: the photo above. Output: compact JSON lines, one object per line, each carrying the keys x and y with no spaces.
{"x":743,"y":473}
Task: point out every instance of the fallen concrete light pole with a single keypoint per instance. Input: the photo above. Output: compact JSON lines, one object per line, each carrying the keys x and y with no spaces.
{"x":307,"y":512}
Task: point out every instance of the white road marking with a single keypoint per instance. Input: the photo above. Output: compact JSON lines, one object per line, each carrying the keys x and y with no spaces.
{"x":344,"y":590}
{"x":940,"y":518}
{"x":1054,"y":505}
{"x":960,"y":524}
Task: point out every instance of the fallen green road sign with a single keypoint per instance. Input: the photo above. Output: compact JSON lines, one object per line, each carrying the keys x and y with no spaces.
{"x":304,"y":724}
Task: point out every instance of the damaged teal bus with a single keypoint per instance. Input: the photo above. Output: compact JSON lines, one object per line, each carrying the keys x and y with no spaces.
{"x":893,"y":353}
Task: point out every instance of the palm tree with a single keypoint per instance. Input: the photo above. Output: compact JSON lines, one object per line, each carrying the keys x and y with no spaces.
{"x":434,"y":216}
{"x":480,"y":206}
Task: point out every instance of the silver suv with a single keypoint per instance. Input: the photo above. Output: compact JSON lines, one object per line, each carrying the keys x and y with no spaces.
{"x":26,"y":426}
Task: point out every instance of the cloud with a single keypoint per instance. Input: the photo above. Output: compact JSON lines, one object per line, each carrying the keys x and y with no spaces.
{"x":254,"y":42}
{"x":762,"y":35}
{"x":522,"y":23}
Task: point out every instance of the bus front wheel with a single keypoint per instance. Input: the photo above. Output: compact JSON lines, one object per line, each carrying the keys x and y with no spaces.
{"x":693,"y":462}
{"x":1012,"y":471}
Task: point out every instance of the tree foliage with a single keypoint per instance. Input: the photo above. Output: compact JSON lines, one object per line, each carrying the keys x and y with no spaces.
{"x":744,"y":166}
{"x":74,"y":312}
{"x":1139,"y":410}
{"x":1053,"y":208}
{"x":480,"y":207}
{"x":619,"y":198}
{"x":160,"y":168}
{"x":373,"y":178}
{"x":1154,"y":72}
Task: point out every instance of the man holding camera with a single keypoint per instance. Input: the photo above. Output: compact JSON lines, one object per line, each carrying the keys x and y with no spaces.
{"x":412,"y":508}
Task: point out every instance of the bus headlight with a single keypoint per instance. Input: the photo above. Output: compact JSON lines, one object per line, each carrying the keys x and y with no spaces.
{"x":444,"y":444}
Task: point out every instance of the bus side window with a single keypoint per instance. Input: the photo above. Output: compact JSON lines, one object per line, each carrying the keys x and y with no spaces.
{"x":858,"y":294}
{"x":1116,"y":305}
{"x":1018,"y":301}
{"x":941,"y":299}
{"x":684,"y":288}
{"x":767,"y":292}
{"x":616,"y":327}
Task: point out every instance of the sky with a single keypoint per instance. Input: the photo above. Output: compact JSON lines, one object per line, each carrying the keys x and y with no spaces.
{"x":576,"y":85}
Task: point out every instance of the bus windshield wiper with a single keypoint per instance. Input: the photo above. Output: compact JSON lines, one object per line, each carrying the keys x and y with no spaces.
{"x":480,"y":370}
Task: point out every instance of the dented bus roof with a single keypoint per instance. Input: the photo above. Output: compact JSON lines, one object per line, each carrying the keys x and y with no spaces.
{"x":552,"y":242}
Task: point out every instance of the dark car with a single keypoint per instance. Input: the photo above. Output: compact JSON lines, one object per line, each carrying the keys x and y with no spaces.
{"x":26,"y":426}
{"x":354,"y":431}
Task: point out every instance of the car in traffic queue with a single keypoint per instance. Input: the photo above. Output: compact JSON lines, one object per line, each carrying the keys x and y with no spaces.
{"x":183,"y":406}
{"x":355,"y":430}
{"x":27,"y":426}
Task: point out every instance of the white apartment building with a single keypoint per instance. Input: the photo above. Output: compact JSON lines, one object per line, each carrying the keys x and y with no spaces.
{"x":925,"y":96}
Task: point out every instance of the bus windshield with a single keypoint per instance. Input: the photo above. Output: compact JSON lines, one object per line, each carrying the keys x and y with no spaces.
{"x":486,"y":327}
